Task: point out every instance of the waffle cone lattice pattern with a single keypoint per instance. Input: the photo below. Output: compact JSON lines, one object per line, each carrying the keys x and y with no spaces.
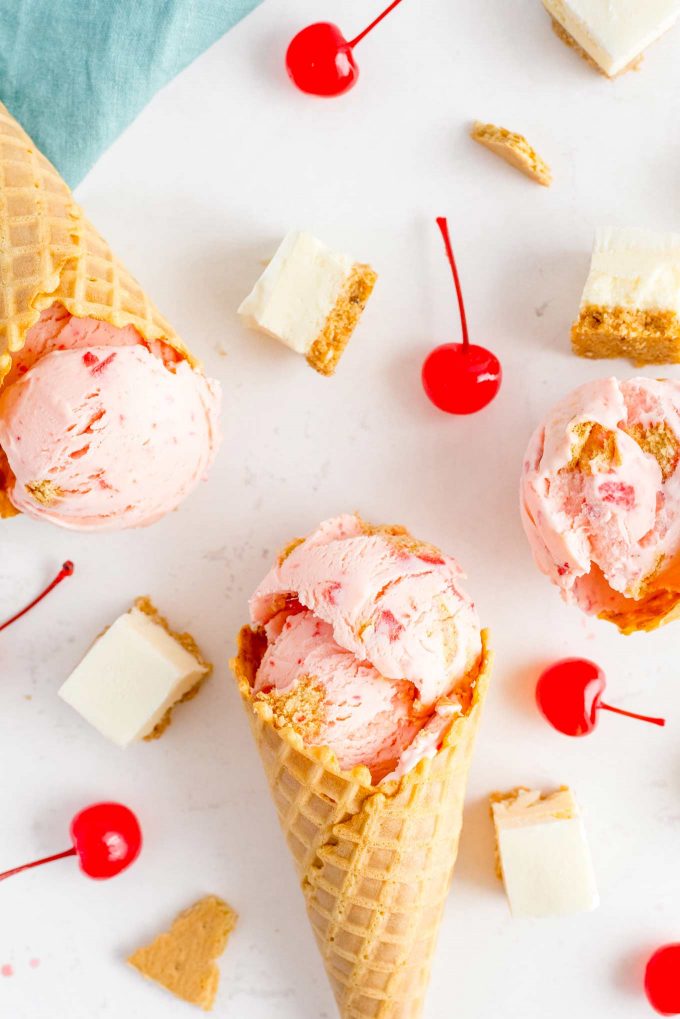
{"x":375,"y":866}
{"x":49,"y":252}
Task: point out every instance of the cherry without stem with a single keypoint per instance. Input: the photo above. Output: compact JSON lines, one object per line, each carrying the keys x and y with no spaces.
{"x":460,"y":378}
{"x":67,"y":570}
{"x":320,"y":61}
{"x":569,"y":696}
{"x":662,"y":980}
{"x":106,"y":839}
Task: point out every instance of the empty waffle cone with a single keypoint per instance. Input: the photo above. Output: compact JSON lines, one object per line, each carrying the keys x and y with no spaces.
{"x":50,"y":253}
{"x":375,"y":862}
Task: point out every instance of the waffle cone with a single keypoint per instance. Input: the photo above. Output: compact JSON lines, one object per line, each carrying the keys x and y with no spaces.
{"x":374,"y":862}
{"x":658,"y":604}
{"x":663,"y":608}
{"x":50,"y":253}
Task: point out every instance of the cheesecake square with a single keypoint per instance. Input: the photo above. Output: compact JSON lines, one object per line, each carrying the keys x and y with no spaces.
{"x":134,"y":674}
{"x":310,"y":298}
{"x":542,"y":853}
{"x":612,"y":34}
{"x":631,"y":301}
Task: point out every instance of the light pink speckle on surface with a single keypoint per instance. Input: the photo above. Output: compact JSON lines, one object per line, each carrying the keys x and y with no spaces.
{"x":7,"y":970}
{"x":34,"y":963}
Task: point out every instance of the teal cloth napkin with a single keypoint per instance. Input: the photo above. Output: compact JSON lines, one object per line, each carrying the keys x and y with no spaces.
{"x":75,"y":73}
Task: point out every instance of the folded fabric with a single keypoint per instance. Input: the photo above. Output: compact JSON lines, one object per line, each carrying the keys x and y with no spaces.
{"x":75,"y":73}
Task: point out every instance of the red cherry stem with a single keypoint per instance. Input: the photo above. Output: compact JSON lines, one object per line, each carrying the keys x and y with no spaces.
{"x":38,"y":863}
{"x":632,"y":714}
{"x":374,"y":23}
{"x":66,"y":571}
{"x":444,"y":227}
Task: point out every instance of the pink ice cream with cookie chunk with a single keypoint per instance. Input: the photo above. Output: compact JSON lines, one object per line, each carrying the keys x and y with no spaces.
{"x":600,"y":491}
{"x":102,"y":429}
{"x":371,"y":641}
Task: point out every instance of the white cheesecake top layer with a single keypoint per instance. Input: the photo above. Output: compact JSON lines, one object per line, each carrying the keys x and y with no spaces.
{"x":634,"y":269}
{"x":130,"y":677}
{"x":614,"y":32}
{"x":544,"y":855}
{"x":295,"y":294}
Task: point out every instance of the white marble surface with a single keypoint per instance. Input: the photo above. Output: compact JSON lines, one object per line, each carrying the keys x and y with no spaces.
{"x":193,"y":196}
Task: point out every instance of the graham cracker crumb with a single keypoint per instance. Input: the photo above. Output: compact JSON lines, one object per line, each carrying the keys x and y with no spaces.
{"x":514,"y":149}
{"x":330,"y":344}
{"x":594,"y":450}
{"x":644,"y":336}
{"x":44,"y":492}
{"x":146,"y":606}
{"x":300,"y":706}
{"x":567,"y":38}
{"x":401,"y":538}
{"x":183,"y":959}
{"x":660,"y":442}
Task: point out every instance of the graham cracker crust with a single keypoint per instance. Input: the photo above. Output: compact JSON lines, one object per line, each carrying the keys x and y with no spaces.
{"x":568,"y":39}
{"x":330,"y":344}
{"x":513,"y":149}
{"x":646,"y":337}
{"x":544,"y":800}
{"x":146,"y":606}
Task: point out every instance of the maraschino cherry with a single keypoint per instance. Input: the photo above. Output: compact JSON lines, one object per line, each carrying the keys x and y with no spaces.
{"x":662,"y":980}
{"x":460,"y":378}
{"x":106,"y":839}
{"x":320,"y":60}
{"x":569,"y":695}
{"x":66,"y":571}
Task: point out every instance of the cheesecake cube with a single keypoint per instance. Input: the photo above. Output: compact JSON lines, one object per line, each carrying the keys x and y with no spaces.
{"x":612,"y":34}
{"x":133,"y":675}
{"x":310,"y":298}
{"x":631,"y":301}
{"x":542,"y":853}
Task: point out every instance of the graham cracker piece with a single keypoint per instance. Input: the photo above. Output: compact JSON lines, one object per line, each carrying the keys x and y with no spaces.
{"x":660,"y":442}
{"x":595,"y":449}
{"x":568,"y":39}
{"x":330,"y":344}
{"x":643,"y":336}
{"x":183,"y":959}
{"x":514,"y":149}
{"x":146,"y":606}
{"x":44,"y":492}
{"x":300,"y":706}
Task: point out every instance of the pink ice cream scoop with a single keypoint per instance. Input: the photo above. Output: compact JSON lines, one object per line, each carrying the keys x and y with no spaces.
{"x":600,"y":495}
{"x":100,"y":429}
{"x":370,"y":642}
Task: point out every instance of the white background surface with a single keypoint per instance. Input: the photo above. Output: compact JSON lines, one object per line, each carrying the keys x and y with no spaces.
{"x":193,"y":196}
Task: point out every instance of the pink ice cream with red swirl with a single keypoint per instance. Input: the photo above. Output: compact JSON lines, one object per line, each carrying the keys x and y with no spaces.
{"x":371,"y":643}
{"x":102,"y":429}
{"x":600,"y":491}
